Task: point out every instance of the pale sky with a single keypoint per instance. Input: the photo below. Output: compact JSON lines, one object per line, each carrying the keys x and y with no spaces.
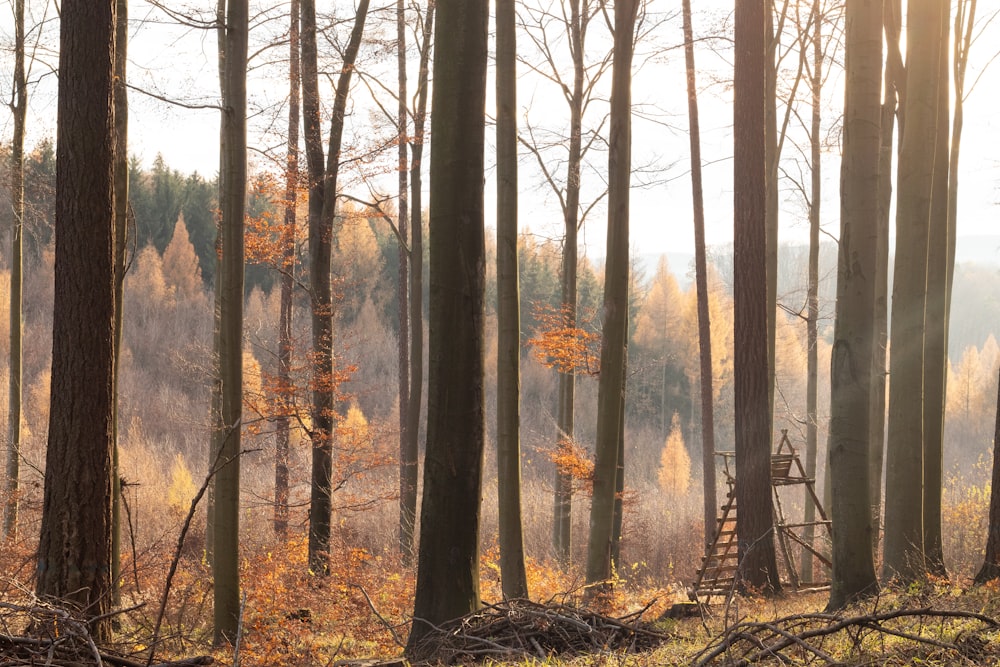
{"x":180,"y":63}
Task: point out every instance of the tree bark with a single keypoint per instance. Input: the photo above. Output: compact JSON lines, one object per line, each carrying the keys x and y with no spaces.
{"x":514,"y":579}
{"x":936,"y":320}
{"x":701,"y":285}
{"x":812,"y":298}
{"x":285,"y":341}
{"x":74,"y":552}
{"x":892,"y":81}
{"x":403,"y":284}
{"x":121,"y":260}
{"x":409,"y":465}
{"x":565,"y":417}
{"x":758,"y":565}
{"x":448,"y":561}
{"x":615,"y":334}
{"x":854,"y":328}
{"x":19,"y":107}
{"x":771,"y":159}
{"x":232,"y":203}
{"x":320,"y":250}
{"x":904,"y":511}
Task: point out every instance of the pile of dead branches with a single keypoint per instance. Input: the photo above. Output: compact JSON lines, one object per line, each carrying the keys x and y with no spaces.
{"x":517,"y":629}
{"x":41,"y":634}
{"x":951,"y":637}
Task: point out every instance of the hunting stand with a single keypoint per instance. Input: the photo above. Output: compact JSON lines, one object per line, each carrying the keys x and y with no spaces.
{"x":717,"y":574}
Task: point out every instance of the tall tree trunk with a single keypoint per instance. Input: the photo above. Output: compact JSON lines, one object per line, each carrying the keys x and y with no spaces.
{"x":20,"y":112}
{"x":74,"y":552}
{"x":408,"y":463}
{"x":892,"y":80}
{"x":320,"y":250}
{"x":218,"y":431}
{"x":282,"y":424}
{"x":812,"y":309}
{"x":513,"y":577}
{"x":851,"y":364}
{"x":991,"y":565}
{"x":448,"y":561}
{"x":403,"y":284}
{"x":936,"y":320}
{"x":121,"y":251}
{"x":701,"y":284}
{"x":965,"y":20}
{"x":771,"y":159}
{"x":563,"y":511}
{"x":232,"y":203}
{"x":618,"y":516}
{"x":322,"y":359}
{"x":904,"y":512}
{"x":758,"y":565}
{"x":611,"y":383}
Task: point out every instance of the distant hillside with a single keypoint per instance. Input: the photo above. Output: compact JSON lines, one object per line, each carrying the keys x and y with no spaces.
{"x":976,"y":295}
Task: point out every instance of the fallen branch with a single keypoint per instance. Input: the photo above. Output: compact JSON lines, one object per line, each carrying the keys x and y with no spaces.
{"x":518,"y":629}
{"x":770,"y":639}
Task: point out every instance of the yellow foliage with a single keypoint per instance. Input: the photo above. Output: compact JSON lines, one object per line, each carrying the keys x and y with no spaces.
{"x":661,"y":317}
{"x":675,"y":464}
{"x":355,"y":424}
{"x":182,"y":488}
{"x":180,"y":263}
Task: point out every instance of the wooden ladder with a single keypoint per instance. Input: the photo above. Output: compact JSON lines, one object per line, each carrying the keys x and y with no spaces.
{"x":717,"y":574}
{"x":718,"y":566}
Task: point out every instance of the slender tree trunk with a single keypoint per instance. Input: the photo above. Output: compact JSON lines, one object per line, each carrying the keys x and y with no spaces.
{"x":218,"y":430}
{"x":408,"y":465}
{"x":904,"y":511}
{"x":20,"y":112}
{"x":758,"y":565}
{"x":771,"y":159}
{"x":320,"y":249}
{"x":891,"y":87}
{"x":322,"y":361}
{"x":232,"y":203}
{"x":991,"y":565}
{"x":74,"y":552}
{"x":854,"y":328}
{"x":513,"y":577}
{"x":448,"y":561}
{"x":812,"y":309}
{"x":611,"y":384}
{"x":619,"y":510}
{"x":121,"y":250}
{"x":701,"y":285}
{"x":403,"y":284}
{"x":965,"y":20}
{"x":282,"y":424}
{"x":936,"y":320}
{"x":565,"y":417}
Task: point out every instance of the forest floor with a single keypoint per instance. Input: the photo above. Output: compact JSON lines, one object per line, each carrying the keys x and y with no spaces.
{"x":361,"y":612}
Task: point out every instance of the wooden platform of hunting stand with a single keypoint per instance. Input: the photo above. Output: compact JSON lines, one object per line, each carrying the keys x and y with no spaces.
{"x":717,"y":575}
